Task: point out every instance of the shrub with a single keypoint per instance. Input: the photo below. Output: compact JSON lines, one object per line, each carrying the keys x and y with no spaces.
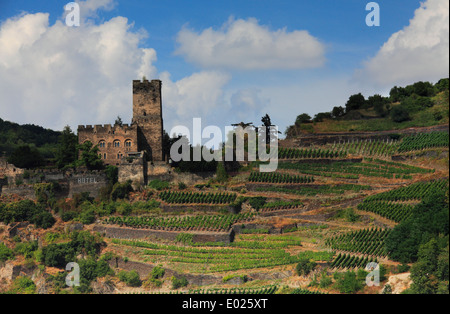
{"x":131,"y":278}
{"x":179,"y":282}
{"x":348,"y":282}
{"x":5,"y":253}
{"x":305,"y":267}
{"x":159,"y":185}
{"x":121,"y":190}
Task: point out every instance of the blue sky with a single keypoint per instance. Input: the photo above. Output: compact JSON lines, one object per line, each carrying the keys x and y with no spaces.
{"x":332,"y":51}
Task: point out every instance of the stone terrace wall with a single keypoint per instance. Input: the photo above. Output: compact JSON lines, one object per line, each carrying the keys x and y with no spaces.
{"x":131,"y":233}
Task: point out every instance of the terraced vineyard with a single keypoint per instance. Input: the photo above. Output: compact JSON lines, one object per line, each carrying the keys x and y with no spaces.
{"x":274,"y":177}
{"x":354,"y":170}
{"x":199,"y":222}
{"x":391,"y":204}
{"x":308,"y":153}
{"x":366,"y":241}
{"x":246,"y":253}
{"x":196,"y":198}
{"x":347,"y":261}
{"x":424,"y":141}
{"x":262,"y":290}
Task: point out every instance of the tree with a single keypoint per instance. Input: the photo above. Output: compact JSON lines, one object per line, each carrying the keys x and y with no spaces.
{"x":303,"y":118}
{"x":118,"y":121}
{"x":26,"y":157}
{"x":267,"y":124}
{"x":442,"y":85}
{"x":338,"y":112}
{"x":400,"y":114}
{"x":90,"y":157}
{"x":355,"y":102}
{"x":305,"y":267}
{"x":67,"y":152}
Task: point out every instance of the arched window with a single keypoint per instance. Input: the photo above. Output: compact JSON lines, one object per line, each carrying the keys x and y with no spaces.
{"x":128,"y":143}
{"x":116,"y":143}
{"x":102,"y":144}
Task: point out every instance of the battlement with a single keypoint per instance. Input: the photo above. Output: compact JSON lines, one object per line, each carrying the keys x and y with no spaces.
{"x":145,"y":86}
{"x":106,"y":128}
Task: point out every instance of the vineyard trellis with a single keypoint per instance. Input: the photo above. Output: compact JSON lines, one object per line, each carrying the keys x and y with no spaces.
{"x":368,"y":242}
{"x":172,"y":197}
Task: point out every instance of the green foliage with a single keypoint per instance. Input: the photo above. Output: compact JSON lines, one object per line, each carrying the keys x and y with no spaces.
{"x":429,"y":219}
{"x":26,"y":157}
{"x":90,"y":156}
{"x":179,"y":282}
{"x":257,"y":202}
{"x":67,"y":152}
{"x":430,"y":274}
{"x":355,"y":102}
{"x":22,"y":285}
{"x":348,"y":282}
{"x":157,"y":272}
{"x":13,"y":135}
{"x":221,"y":173}
{"x":112,"y":173}
{"x":159,"y":185}
{"x":58,"y":255}
{"x":400,"y":114}
{"x":26,"y":210}
{"x":305,"y":267}
{"x":121,"y":190}
{"x":131,"y":278}
{"x":5,"y":253}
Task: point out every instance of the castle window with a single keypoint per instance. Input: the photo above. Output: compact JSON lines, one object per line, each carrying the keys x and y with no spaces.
{"x":128,"y":143}
{"x":102,"y":144}
{"x":116,"y":143}
{"x":119,"y":156}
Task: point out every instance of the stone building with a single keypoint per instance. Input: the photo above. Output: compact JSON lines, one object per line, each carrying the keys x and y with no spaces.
{"x":143,"y":136}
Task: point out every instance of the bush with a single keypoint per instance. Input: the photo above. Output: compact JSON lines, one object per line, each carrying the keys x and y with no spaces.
{"x":5,"y":253}
{"x":348,"y":282}
{"x":131,"y":278}
{"x":305,"y":267}
{"x":157,"y":272}
{"x":121,"y":190}
{"x":400,"y":114}
{"x":159,"y":185}
{"x":179,"y":282}
{"x":23,"y":285}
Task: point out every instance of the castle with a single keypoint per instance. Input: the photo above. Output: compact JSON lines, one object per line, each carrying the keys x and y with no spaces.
{"x":143,"y":138}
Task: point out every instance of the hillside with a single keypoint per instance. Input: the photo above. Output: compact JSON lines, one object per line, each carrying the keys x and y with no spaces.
{"x":418,"y":105}
{"x":13,"y":135}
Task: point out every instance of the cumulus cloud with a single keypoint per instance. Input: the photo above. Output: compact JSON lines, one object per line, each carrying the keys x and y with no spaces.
{"x":54,"y":75}
{"x":418,"y":52}
{"x":196,"y":96}
{"x":244,"y":44}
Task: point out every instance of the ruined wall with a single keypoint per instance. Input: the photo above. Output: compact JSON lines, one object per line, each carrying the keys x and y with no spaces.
{"x":113,"y":141}
{"x":133,"y":169}
{"x":87,"y":182}
{"x":147,"y":114}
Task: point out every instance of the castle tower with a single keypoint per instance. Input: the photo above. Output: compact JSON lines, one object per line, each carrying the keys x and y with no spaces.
{"x":147,"y":115}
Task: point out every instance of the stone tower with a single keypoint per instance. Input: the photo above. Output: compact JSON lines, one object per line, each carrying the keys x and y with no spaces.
{"x":147,"y":115}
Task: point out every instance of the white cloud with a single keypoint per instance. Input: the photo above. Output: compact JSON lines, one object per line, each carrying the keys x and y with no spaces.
{"x":54,"y":75}
{"x":244,"y":44}
{"x":197,"y":96}
{"x":418,"y":52}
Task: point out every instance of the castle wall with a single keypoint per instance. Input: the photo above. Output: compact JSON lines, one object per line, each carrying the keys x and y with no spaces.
{"x":114,"y":142}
